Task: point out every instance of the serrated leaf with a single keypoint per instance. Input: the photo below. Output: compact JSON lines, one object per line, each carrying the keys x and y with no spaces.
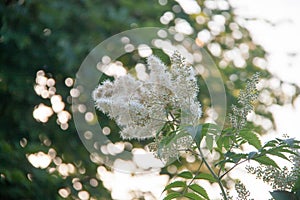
{"x":211,"y":129}
{"x":296,"y":147}
{"x":266,"y":161}
{"x":175,"y":185}
{"x":272,"y":143}
{"x":221,"y":163}
{"x":283,"y":195}
{"x":237,"y":157}
{"x":220,"y":143}
{"x":225,"y":139}
{"x":251,"y":154}
{"x":200,"y":190}
{"x":227,"y":143}
{"x":209,"y":139}
{"x":289,"y":151}
{"x":195,"y":132}
{"x":169,"y":140}
{"x":204,"y":176}
{"x":186,"y":174}
{"x":298,"y":194}
{"x":297,"y":185}
{"x":251,"y":138}
{"x":198,"y":135}
{"x":193,"y":196}
{"x":172,"y":195}
{"x":281,"y":155}
{"x":289,"y":141}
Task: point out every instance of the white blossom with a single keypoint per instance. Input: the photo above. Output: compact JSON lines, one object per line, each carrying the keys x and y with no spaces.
{"x":142,"y":108}
{"x":238,"y":118}
{"x":172,"y":150}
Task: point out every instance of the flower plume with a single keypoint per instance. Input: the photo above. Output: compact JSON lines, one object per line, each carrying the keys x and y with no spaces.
{"x":142,"y":107}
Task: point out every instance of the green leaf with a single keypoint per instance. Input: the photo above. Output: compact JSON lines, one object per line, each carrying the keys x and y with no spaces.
{"x":209,"y":139}
{"x":204,"y":176}
{"x":297,"y":185}
{"x":281,"y":155}
{"x":251,"y":138}
{"x":169,"y":140}
{"x":298,"y":194}
{"x":266,"y":161}
{"x":220,"y":144}
{"x":195,"y":132}
{"x":186,"y":174}
{"x":251,"y":154}
{"x":175,"y":185}
{"x":291,"y":142}
{"x":172,"y":195}
{"x":237,"y":157}
{"x":227,"y":142}
{"x":198,"y":136}
{"x":272,"y":143}
{"x":221,"y":163}
{"x":225,"y":138}
{"x":200,"y":190}
{"x":283,"y":195}
{"x":288,"y":151}
{"x":213,"y":129}
{"x":193,"y":196}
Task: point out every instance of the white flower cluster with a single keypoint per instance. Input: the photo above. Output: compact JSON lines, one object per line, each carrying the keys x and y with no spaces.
{"x":238,"y":118}
{"x":172,"y":150}
{"x":279,"y":179}
{"x":243,"y":193}
{"x":142,"y":108}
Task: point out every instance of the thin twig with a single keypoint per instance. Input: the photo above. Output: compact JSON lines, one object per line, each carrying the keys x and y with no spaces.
{"x":213,"y":174}
{"x":232,"y":168}
{"x":198,"y":171}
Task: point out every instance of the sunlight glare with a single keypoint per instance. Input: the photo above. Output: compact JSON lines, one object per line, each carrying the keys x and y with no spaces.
{"x":190,"y":6}
{"x":42,"y":113}
{"x":39,"y":160}
{"x":64,"y":192}
{"x":144,"y":50}
{"x":112,"y":69}
{"x":83,"y":195}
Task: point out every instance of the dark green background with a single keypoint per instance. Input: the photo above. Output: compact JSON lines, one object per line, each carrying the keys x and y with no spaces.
{"x":76,"y":26}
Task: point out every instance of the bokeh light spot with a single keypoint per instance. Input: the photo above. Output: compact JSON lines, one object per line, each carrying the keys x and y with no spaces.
{"x":144,"y":50}
{"x":39,"y":160}
{"x":42,"y":113}
{"x":106,"y":130}
{"x":64,"y":192}
{"x":69,"y":82}
{"x":89,"y":116}
{"x":84,"y":195}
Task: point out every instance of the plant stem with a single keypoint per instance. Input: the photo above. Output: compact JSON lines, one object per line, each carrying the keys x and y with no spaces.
{"x":198,"y":171}
{"x":213,"y":173}
{"x":232,"y":168}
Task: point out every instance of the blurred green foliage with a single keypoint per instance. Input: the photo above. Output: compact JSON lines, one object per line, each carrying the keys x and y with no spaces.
{"x":55,"y":36}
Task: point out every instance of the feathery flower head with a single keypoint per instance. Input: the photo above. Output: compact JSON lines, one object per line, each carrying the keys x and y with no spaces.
{"x":148,"y":108}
